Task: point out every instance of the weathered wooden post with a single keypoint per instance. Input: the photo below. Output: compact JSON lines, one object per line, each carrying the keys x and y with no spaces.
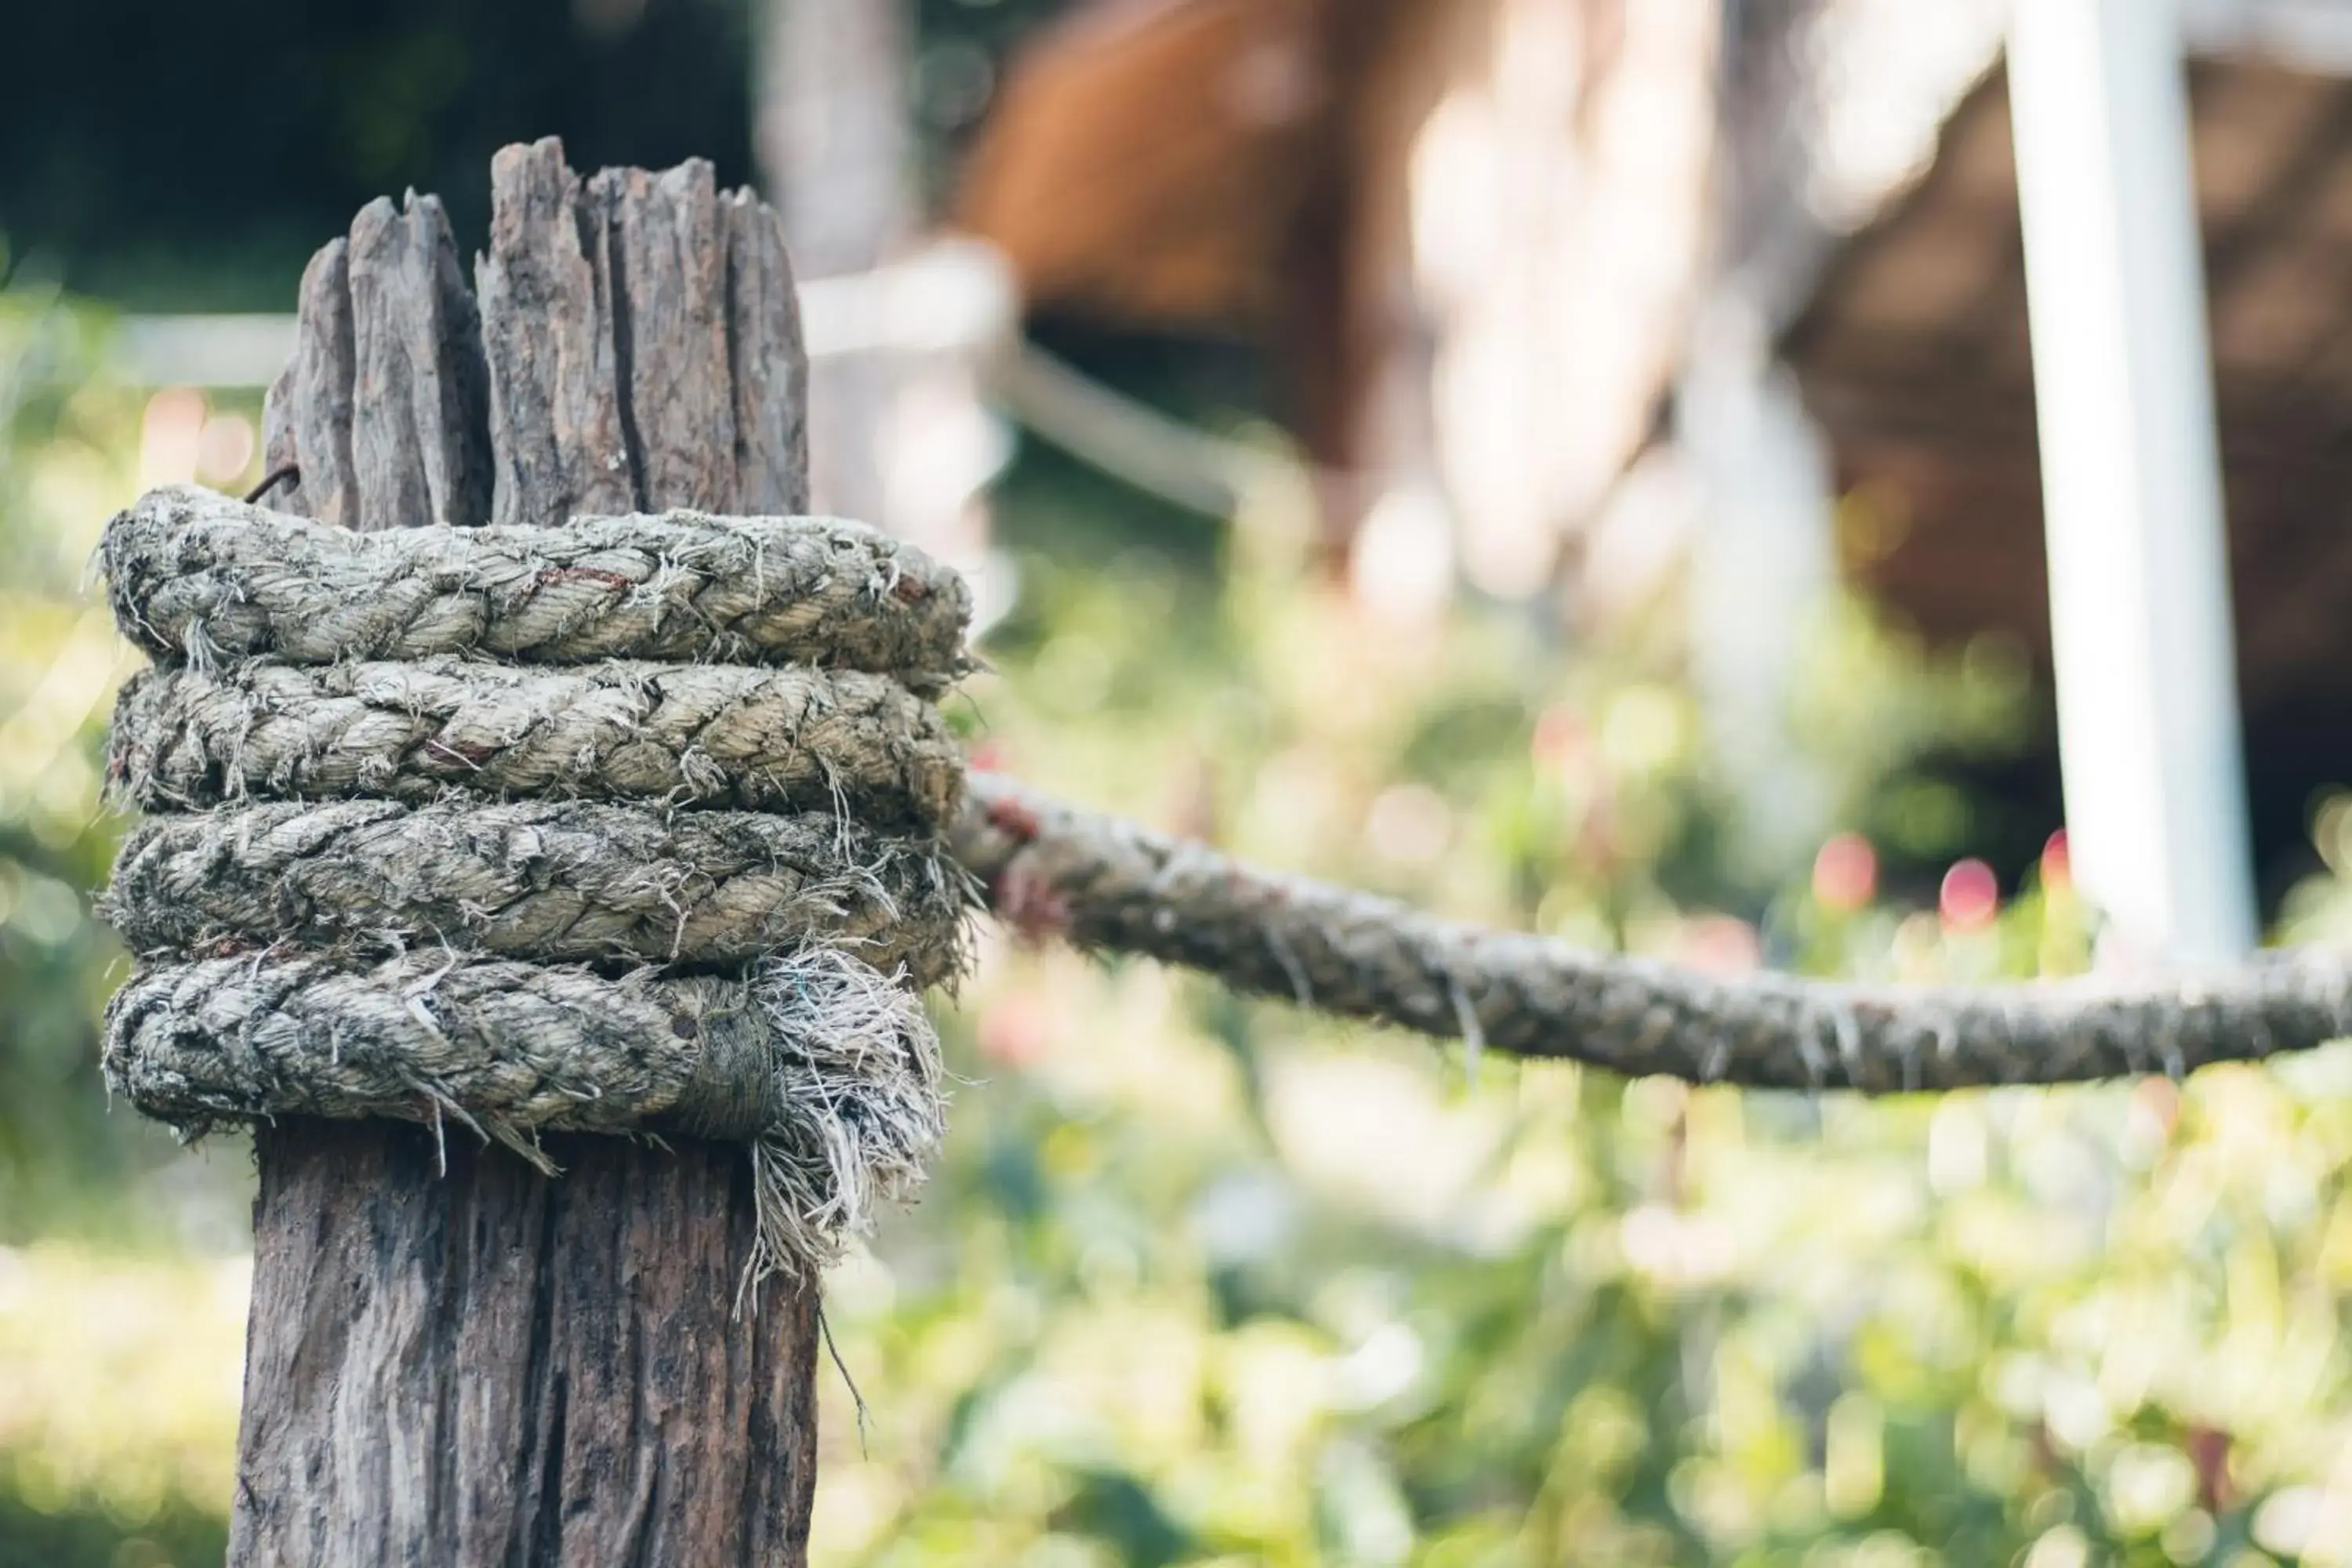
{"x":494,"y":1365}
{"x":455,"y":1358}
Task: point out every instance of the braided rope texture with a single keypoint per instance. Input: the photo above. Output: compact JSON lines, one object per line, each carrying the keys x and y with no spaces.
{"x":683,"y":734}
{"x":197,"y":577}
{"x":565,"y":881}
{"x":474,"y":824}
{"x":1109,"y":885}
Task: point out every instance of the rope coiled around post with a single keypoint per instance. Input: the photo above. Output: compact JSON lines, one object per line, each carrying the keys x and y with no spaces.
{"x":482,"y":826}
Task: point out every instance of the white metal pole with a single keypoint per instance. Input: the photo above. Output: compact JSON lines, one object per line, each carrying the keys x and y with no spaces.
{"x":2148,"y":707}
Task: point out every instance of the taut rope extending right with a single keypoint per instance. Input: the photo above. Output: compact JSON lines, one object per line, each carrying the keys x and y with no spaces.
{"x":1107,"y":884}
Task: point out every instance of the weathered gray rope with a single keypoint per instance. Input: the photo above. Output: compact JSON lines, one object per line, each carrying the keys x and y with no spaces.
{"x":680,"y":734}
{"x":562,"y":881}
{"x":827,"y":1068}
{"x":726,"y":879}
{"x":1107,"y":884}
{"x":199,"y":577}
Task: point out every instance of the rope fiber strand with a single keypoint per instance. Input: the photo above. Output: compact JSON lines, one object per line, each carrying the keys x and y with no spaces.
{"x":1109,"y":885}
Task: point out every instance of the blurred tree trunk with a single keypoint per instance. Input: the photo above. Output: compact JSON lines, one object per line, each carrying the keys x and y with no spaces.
{"x":836,"y":148}
{"x":1353,"y":339}
{"x":1762,"y":562}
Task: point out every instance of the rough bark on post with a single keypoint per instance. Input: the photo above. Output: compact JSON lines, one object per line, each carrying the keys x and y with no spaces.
{"x":488,"y":1365}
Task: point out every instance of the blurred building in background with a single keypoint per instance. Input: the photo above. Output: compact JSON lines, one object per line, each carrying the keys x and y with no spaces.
{"x":1586,"y":302}
{"x":1675,"y":312}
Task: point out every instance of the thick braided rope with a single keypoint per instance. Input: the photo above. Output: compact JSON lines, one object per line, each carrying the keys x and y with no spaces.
{"x":677,"y":734}
{"x":1110,"y":885}
{"x":197,"y":577}
{"x":828,"y":1068}
{"x":563,"y":881}
{"x":544,"y":868}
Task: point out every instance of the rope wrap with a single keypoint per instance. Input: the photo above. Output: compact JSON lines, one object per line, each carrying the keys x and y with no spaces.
{"x":472,"y":825}
{"x":193,"y":575}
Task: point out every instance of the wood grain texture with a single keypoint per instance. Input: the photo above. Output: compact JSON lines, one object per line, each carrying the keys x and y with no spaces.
{"x":320,"y":416}
{"x":547,"y":329}
{"x":383,"y":410}
{"x":487,"y":1365}
{"x":493,"y":1367}
{"x":665,"y":263}
{"x":766,"y":366}
{"x":420,"y":397}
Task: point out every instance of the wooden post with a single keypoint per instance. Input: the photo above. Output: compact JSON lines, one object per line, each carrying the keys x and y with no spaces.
{"x":483,"y":1365}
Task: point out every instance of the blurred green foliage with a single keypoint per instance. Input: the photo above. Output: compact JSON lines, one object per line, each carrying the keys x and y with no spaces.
{"x":64,"y":437}
{"x":1210,"y":1280}
{"x":117,"y":1334}
{"x":1203,"y":1280}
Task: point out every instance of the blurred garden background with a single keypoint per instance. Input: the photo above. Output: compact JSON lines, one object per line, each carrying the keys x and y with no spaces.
{"x":1557,"y":462}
